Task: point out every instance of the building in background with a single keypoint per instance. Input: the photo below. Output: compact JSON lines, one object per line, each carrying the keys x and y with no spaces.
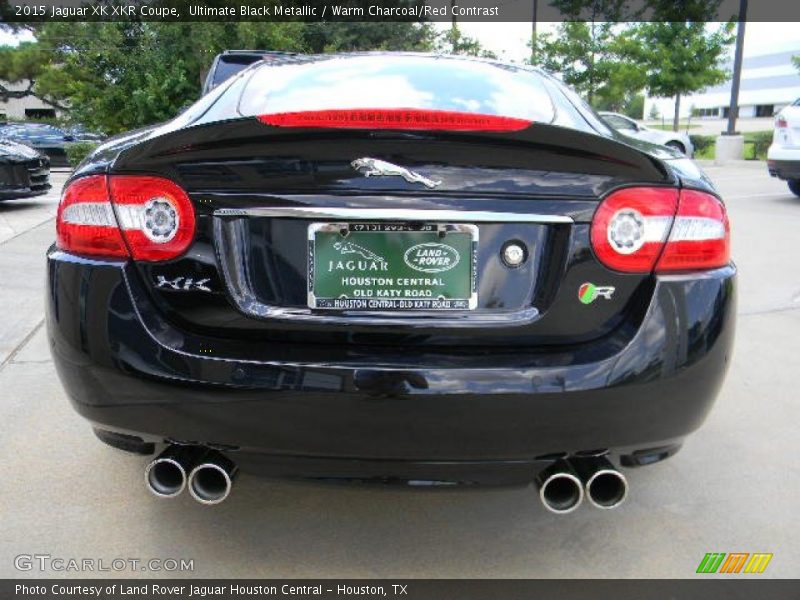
{"x":28,"y":108}
{"x":769,"y":82}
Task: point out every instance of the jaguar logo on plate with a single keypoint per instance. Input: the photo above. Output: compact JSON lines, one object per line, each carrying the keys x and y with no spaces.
{"x":431,"y":257}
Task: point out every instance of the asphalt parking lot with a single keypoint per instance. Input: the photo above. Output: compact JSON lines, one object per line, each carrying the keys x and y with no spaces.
{"x":733,"y":488}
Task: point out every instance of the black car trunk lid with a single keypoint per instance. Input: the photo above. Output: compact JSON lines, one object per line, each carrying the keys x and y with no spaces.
{"x":257,"y":190}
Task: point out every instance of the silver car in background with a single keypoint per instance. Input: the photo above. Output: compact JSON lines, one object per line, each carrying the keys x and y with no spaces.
{"x":625,"y":125}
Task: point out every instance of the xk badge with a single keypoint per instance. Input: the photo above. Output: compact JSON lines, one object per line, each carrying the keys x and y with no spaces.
{"x":589,"y":292}
{"x":183,"y":284}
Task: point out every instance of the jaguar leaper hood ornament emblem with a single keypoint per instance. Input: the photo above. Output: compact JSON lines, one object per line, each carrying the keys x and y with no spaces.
{"x":370,"y":167}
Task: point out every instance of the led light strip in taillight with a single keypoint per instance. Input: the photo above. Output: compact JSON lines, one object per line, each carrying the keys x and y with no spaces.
{"x":151,"y":218}
{"x":639,"y":230}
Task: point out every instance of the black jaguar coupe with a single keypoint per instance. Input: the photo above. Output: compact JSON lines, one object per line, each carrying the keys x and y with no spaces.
{"x":391,"y":267}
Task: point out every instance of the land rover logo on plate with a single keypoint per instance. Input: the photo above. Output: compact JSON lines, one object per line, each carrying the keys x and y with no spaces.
{"x":431,"y":257}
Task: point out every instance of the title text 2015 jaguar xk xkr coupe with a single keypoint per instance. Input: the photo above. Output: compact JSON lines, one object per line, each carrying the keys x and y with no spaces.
{"x":391,"y":267}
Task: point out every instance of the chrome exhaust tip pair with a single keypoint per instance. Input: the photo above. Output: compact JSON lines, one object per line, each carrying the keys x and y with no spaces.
{"x":563,"y":485}
{"x":208,"y":474}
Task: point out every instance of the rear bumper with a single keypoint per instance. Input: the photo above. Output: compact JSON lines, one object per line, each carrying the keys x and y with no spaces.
{"x":414,"y":416}
{"x":783,"y":163}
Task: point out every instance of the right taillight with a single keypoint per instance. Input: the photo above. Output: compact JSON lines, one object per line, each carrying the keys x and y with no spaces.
{"x":700,"y":236}
{"x":781,"y":122}
{"x":642,"y":230}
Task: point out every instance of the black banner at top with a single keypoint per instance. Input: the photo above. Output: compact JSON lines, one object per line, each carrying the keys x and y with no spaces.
{"x":24,"y":11}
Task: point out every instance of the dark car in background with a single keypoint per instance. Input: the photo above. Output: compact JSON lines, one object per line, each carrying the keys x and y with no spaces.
{"x":80,"y":133}
{"x":24,"y":172}
{"x":229,"y":63}
{"x":391,"y":267}
{"x":48,"y":139}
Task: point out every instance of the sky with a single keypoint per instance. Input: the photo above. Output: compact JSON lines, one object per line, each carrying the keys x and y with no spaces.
{"x":509,"y":40}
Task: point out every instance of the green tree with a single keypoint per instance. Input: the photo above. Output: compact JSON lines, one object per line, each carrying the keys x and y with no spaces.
{"x":587,"y":56}
{"x":453,"y":41}
{"x":679,"y":57}
{"x":634,"y":107}
{"x":23,"y":64}
{"x":796,"y":61}
{"x":344,"y":37}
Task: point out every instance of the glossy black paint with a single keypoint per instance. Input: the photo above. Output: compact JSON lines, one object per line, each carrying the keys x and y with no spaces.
{"x":24,"y":172}
{"x":240,"y":363}
{"x":126,"y":369}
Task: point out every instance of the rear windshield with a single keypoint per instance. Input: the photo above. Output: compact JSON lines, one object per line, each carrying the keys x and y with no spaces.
{"x":398,"y":81}
{"x":230,"y":65}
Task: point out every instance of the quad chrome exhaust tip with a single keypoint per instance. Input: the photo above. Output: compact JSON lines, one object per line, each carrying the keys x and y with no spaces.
{"x":560,"y":489}
{"x":207,"y":473}
{"x":166,"y":475}
{"x":605,"y":486}
{"x":210,"y":482}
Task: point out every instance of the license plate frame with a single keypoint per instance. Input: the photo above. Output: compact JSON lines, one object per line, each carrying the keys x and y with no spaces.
{"x":422,"y":239}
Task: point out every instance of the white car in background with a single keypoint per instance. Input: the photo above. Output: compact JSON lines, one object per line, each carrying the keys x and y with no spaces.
{"x":627,"y":126}
{"x":783,"y":158}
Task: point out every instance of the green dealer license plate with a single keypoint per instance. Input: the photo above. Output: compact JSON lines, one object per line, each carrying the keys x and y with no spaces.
{"x":392,"y":267}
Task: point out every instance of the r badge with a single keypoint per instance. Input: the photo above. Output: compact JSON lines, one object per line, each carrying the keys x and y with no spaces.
{"x":589,"y":292}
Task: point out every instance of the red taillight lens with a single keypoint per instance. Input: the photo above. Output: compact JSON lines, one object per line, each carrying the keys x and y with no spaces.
{"x":630,"y":227}
{"x":700,"y":236}
{"x":781,"y":122}
{"x":85,"y":223}
{"x":395,"y":118}
{"x":152,"y":214}
{"x":639,"y":230}
{"x":156,"y":216}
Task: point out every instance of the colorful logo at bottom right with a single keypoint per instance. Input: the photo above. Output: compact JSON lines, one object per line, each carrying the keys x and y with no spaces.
{"x":734,"y":562}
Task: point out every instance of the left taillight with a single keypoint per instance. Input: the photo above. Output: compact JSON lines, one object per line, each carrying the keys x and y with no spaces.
{"x":144,"y":217}
{"x":85,"y":223}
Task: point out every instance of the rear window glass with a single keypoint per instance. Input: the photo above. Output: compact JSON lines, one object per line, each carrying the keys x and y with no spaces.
{"x":227,"y":66}
{"x":399,"y":81}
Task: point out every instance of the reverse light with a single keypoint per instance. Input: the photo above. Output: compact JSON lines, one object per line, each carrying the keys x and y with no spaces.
{"x":144,"y":217}
{"x":700,"y":237}
{"x":85,"y":222}
{"x":395,"y":118}
{"x":640,"y":230}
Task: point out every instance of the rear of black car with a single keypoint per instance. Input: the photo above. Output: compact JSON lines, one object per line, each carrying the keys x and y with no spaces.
{"x":391,"y":267}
